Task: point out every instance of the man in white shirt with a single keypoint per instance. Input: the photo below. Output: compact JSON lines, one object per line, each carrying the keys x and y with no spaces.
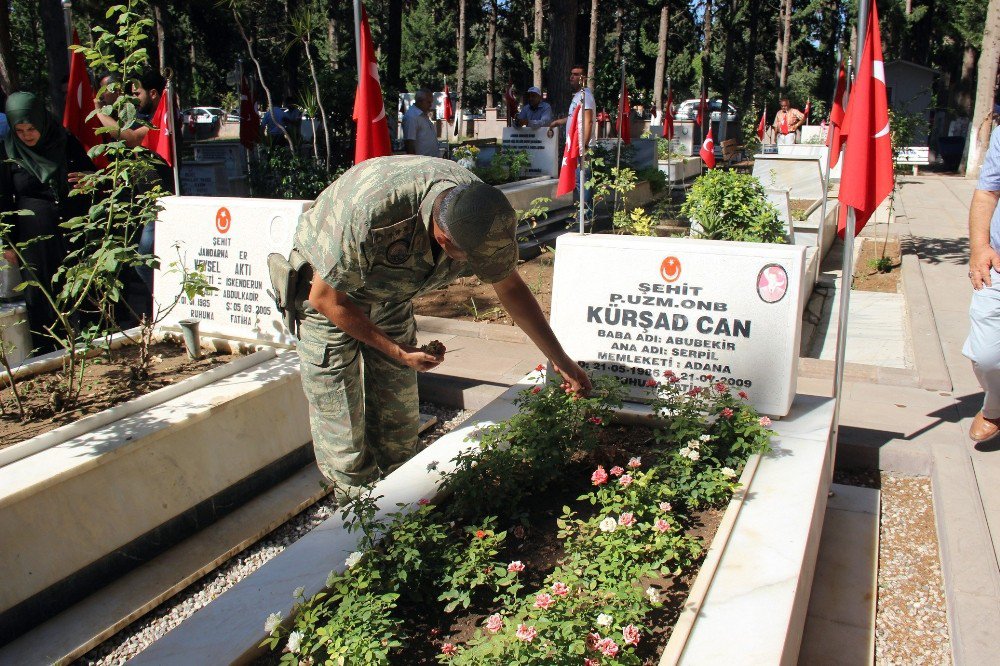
{"x":419,"y":135}
{"x":536,"y":113}
{"x":581,"y":95}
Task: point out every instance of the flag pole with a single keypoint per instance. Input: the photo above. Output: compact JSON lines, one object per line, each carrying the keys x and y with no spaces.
{"x":621,"y":128}
{"x":826,"y":178}
{"x":663,"y":117}
{"x":67,"y":6}
{"x":847,"y":274}
{"x":583,"y":156}
{"x":173,"y":136}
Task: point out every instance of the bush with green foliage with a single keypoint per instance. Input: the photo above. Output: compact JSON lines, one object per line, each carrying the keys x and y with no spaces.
{"x":728,"y":205}
{"x":277,"y":173}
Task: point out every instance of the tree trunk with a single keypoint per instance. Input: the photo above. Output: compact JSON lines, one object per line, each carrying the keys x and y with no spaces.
{"x":56,"y":50}
{"x":661,"y":58}
{"x":592,"y":48}
{"x":460,"y":75}
{"x":394,"y":44}
{"x":491,"y":53}
{"x":260,"y":73}
{"x":161,"y":35}
{"x":9,"y":79}
{"x":751,"y":59}
{"x":333,"y":44}
{"x":979,"y":130}
{"x":537,"y":45}
{"x":785,"y":43}
{"x":319,"y":103}
{"x":706,"y":54}
{"x":964,"y":90}
{"x":562,"y":50}
{"x":619,"y":31}
{"x":731,"y":33}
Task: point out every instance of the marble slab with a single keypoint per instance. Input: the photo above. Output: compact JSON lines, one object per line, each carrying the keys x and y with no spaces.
{"x":802,"y":175}
{"x":779,"y":199}
{"x":541,"y":149}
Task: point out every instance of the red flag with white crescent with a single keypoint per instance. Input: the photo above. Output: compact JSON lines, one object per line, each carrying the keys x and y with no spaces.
{"x":707,"y":151}
{"x":571,"y":155}
{"x":372,"y":138}
{"x":79,"y":104}
{"x":834,"y":135}
{"x":448,"y":113}
{"x":511,"y":99}
{"x":158,"y":137}
{"x":762,"y":126}
{"x":668,"y":117}
{"x":867,"y":172}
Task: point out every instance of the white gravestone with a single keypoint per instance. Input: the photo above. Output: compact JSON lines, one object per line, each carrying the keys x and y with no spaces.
{"x":229,"y":239}
{"x":780,"y":200}
{"x":543,"y":151}
{"x":636,"y":308}
{"x":813,"y":135}
{"x":801,"y":175}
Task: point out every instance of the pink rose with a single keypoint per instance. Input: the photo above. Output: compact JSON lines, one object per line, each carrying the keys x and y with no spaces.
{"x":423,"y":501}
{"x":607,"y":647}
{"x":661,"y":525}
{"x":694,"y":391}
{"x":448,"y":649}
{"x":674,"y":379}
{"x":599,"y":477}
{"x":626,"y":519}
{"x":526,"y":633}
{"x":765,"y":422}
{"x":668,"y":373}
{"x":544,"y":600}
{"x":630,"y":635}
{"x":560,"y":589}
{"x":726,"y":413}
{"x":635,"y":462}
{"x":494,"y":623}
{"x":665,"y":506}
{"x":617,"y":471}
{"x":516,"y":566}
{"x":587,"y":661}
{"x":650,"y":383}
{"x":592,"y":640}
{"x":625,"y":480}
{"x":743,"y":395}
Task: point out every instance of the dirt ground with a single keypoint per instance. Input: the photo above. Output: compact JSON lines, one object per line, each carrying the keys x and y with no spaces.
{"x":471,"y":300}
{"x":107,"y":382}
{"x":867,"y":277}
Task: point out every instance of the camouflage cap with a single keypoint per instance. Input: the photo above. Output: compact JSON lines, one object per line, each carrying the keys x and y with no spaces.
{"x":481,"y":221}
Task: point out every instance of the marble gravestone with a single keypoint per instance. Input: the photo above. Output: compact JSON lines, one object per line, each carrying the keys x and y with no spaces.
{"x":801,"y":175}
{"x":229,"y":240}
{"x":542,"y":150}
{"x":204,"y":179}
{"x":707,"y":311}
{"x":779,"y":199}
{"x":233,"y":154}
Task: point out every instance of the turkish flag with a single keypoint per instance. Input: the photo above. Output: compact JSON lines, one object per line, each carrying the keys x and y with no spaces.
{"x":79,"y":104}
{"x":158,"y":137}
{"x":707,"y":151}
{"x":249,"y":120}
{"x":511,"y":99}
{"x":571,"y":155}
{"x":867,"y":172}
{"x":805,"y":111}
{"x":834,"y":137}
{"x":762,"y":126}
{"x":702,"y":111}
{"x":372,"y":138}
{"x":624,"y":125}
{"x":668,"y":117}
{"x":448,"y":112}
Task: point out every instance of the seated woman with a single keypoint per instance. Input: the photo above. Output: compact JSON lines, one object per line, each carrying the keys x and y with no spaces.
{"x":39,"y":163}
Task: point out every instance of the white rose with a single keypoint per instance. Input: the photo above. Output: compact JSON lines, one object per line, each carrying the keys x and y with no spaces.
{"x":272,"y":621}
{"x":728,"y":472}
{"x":609,"y":524}
{"x":694,"y":455}
{"x":604,"y":620}
{"x":294,"y":641}
{"x":353,"y":559}
{"x":653,"y":595}
{"x":705,"y":438}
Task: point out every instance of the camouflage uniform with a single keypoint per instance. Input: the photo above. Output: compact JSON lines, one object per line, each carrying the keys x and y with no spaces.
{"x":368,"y":235}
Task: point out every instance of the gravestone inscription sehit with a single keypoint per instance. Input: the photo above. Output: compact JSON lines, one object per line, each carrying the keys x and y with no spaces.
{"x":701,"y":311}
{"x":229,"y":240}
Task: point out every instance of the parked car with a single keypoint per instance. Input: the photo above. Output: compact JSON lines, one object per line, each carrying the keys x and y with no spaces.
{"x":204,"y":115}
{"x":689,"y":109}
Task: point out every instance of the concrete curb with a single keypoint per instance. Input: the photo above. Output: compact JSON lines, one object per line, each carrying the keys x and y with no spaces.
{"x":928,"y":354}
{"x":470,"y":329}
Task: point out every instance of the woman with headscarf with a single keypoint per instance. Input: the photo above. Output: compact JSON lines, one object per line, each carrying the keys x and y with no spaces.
{"x":40,"y":164}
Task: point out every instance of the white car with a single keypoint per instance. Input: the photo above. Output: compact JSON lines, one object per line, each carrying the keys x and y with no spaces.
{"x":208,"y":115}
{"x":689,"y":109}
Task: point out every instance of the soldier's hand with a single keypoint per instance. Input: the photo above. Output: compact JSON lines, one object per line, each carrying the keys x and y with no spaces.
{"x":419,"y":360}
{"x":577,"y":377}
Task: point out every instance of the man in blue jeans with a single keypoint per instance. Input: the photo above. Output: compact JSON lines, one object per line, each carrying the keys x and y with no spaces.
{"x":983,"y":344}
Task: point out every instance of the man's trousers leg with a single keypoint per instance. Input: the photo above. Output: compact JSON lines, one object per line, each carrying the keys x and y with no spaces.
{"x":982,"y":346}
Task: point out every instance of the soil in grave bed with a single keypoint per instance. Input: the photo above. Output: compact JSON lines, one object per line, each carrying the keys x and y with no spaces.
{"x":533,"y":539}
{"x":469,"y":299}
{"x":867,"y":277}
{"x":108,"y":382}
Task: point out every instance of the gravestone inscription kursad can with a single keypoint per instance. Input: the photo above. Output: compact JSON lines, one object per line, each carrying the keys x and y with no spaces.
{"x":542,"y":149}
{"x":703,"y":311}
{"x":229,"y":240}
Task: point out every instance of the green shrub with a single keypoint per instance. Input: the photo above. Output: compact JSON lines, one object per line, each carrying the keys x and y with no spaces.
{"x":657,"y":179}
{"x":280,"y":174}
{"x":733,"y":206}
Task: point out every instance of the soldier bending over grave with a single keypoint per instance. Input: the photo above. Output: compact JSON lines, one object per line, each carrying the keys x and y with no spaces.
{"x":387,"y":230}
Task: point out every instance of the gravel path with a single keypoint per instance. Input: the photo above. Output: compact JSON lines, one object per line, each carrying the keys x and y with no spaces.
{"x":134,"y":638}
{"x":911,"y":623}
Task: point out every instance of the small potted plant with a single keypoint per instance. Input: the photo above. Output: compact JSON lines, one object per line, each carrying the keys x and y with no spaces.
{"x":466,"y":155}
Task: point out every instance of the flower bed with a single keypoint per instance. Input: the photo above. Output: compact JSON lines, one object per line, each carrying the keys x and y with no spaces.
{"x":456,"y":583}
